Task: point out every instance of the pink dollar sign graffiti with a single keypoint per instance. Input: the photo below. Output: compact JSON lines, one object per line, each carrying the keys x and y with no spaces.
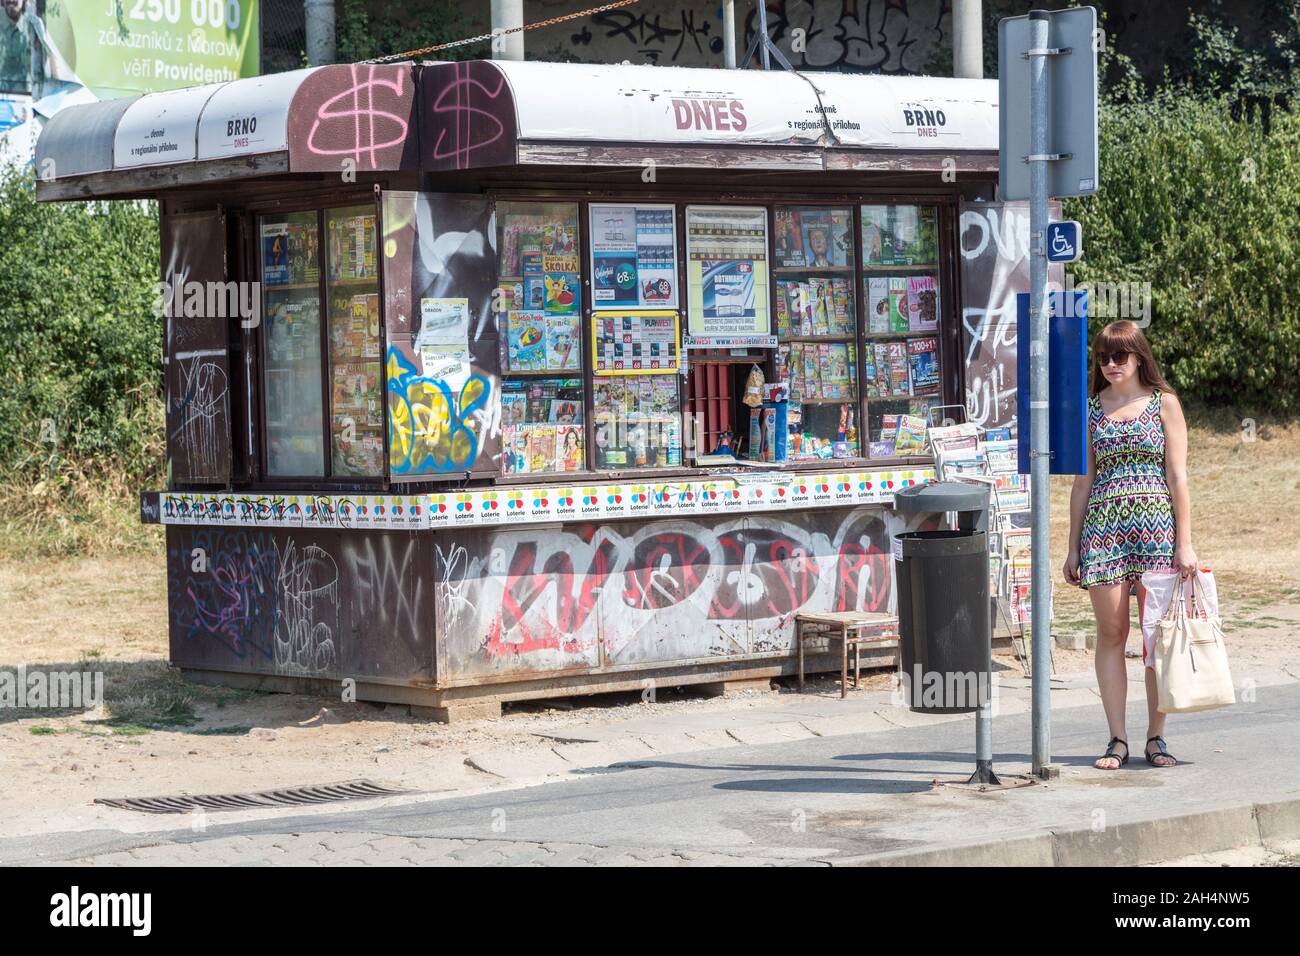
{"x":358,"y":105}
{"x":456,"y":98}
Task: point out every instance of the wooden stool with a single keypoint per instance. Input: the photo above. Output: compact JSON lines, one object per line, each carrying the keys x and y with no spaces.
{"x":848,"y":628}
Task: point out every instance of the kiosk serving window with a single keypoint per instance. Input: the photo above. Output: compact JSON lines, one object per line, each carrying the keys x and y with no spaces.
{"x":322,"y":374}
{"x":900,"y":255}
{"x":540,"y":300}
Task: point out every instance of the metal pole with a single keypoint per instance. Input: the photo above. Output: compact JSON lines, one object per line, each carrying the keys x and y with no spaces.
{"x":968,"y":39}
{"x":729,"y":33}
{"x":1039,"y":441}
{"x":762,"y":34}
{"x":507,"y":14}
{"x":318,"y":18}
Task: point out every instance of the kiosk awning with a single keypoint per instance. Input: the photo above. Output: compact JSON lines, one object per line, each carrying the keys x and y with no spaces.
{"x":313,"y":120}
{"x":479,"y":113}
{"x":442,"y":117}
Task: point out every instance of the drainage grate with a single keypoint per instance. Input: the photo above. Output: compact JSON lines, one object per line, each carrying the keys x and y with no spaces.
{"x":292,"y":797}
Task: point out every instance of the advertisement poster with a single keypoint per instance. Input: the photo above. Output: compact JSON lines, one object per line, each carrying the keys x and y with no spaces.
{"x":633,"y":343}
{"x":726,"y":275}
{"x":133,"y":47}
{"x":633,"y":257}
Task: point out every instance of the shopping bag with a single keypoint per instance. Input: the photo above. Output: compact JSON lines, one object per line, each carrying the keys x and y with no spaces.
{"x":1191,"y":661}
{"x":1161,"y":587}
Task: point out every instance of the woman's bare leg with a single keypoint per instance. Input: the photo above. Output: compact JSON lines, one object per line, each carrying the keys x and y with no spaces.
{"x":1110,"y":607}
{"x":1155,"y":719}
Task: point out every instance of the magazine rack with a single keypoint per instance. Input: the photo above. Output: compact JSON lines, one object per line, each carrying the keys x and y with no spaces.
{"x":961,"y":453}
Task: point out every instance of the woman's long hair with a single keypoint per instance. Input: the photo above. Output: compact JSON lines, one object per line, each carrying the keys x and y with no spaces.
{"x":1125,"y":334}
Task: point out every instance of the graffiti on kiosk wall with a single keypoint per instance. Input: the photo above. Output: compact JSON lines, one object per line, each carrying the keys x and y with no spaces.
{"x":879,"y":36}
{"x":430,"y":428}
{"x":283,"y":603}
{"x":266,"y":602}
{"x":440,"y":259}
{"x":354,"y":117}
{"x":541,"y":599}
{"x":994,"y":266}
{"x":199,"y":412}
{"x":469,"y":120}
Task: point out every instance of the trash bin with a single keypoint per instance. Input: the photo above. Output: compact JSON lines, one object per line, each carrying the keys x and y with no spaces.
{"x":942,"y":580}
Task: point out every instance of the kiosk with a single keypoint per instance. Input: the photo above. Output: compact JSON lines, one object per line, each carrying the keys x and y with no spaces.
{"x":450,"y":349}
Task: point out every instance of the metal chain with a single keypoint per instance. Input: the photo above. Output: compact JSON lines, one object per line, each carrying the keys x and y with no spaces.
{"x":500,"y":33}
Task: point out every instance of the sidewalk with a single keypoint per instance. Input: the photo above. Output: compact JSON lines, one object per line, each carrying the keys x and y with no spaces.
{"x":864,"y":798}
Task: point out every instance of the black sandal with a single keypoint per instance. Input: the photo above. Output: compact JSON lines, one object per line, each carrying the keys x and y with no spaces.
{"x":1110,"y":752}
{"x":1160,"y":750}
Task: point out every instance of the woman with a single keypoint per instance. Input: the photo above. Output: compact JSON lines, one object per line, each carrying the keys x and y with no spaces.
{"x":1130,"y":513}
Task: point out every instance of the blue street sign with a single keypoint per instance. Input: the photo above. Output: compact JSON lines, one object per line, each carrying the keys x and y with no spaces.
{"x":1067,"y":387}
{"x":1064,"y":241}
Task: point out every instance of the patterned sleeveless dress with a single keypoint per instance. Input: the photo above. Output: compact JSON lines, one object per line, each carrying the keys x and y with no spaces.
{"x":1129,"y":524}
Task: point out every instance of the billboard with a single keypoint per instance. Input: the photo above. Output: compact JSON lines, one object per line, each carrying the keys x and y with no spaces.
{"x":128,"y":47}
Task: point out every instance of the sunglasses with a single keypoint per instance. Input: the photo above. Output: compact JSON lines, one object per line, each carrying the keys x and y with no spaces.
{"x":1118,"y":357}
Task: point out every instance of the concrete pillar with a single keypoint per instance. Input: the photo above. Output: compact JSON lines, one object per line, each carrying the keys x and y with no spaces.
{"x":319,"y":17}
{"x":968,"y":39}
{"x":507,"y":14}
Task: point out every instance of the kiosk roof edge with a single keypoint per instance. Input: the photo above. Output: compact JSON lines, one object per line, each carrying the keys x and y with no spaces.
{"x":455,"y":116}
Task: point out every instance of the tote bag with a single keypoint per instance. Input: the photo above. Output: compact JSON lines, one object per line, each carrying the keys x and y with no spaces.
{"x":1191,"y":661}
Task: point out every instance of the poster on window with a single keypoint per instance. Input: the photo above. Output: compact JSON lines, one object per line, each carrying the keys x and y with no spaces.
{"x":726,"y":271}
{"x":633,"y":257}
{"x":634,"y":343}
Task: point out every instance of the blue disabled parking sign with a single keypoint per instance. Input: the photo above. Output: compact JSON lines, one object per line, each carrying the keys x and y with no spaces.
{"x":1064,"y":241}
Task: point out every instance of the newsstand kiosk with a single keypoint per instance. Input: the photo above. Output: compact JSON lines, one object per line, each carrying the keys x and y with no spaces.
{"x":498,"y":380}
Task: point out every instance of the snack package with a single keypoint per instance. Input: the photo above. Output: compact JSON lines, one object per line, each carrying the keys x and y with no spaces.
{"x":753,"y":396}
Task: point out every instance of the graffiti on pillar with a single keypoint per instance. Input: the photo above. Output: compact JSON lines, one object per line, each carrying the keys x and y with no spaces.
{"x":540,"y":599}
{"x":877,"y":36}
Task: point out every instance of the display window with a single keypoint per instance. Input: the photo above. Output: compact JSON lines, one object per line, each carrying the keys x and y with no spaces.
{"x":901,"y":362}
{"x":540,"y":304}
{"x":633,"y":256}
{"x":816,"y":327}
{"x":322,"y":362}
{"x":352,"y":291}
{"x":295,"y":401}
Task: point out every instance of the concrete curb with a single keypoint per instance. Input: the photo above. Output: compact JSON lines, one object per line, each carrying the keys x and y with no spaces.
{"x":1135,"y":843}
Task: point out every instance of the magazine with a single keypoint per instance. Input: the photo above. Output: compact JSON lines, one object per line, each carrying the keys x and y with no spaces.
{"x":923,"y":363}
{"x":898,"y":321}
{"x":922,"y":304}
{"x":877,"y":306}
{"x":526,"y":340}
{"x":911,"y":436}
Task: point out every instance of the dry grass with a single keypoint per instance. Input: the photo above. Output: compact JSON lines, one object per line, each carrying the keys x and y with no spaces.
{"x":1245,"y":499}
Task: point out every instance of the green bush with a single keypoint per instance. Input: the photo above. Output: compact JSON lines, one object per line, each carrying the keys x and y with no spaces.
{"x":81,"y":409}
{"x":82,"y":346}
{"x":1203,"y":207}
